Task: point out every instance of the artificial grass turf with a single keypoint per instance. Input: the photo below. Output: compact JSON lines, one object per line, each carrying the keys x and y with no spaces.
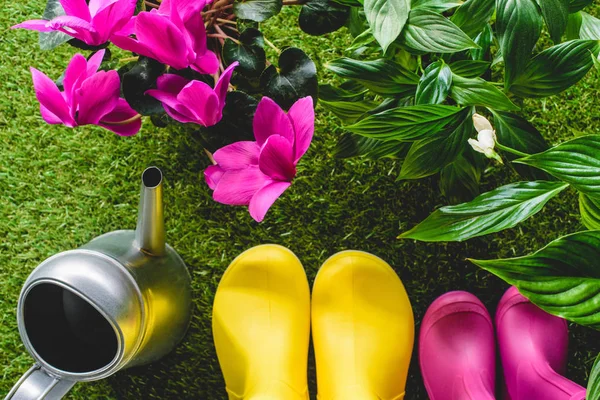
{"x":61,"y":187}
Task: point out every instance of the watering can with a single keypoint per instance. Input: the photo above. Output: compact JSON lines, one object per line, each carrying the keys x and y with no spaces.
{"x":122,"y":300}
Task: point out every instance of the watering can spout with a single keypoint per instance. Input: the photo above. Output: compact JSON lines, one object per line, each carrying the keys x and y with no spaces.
{"x":150,"y":230}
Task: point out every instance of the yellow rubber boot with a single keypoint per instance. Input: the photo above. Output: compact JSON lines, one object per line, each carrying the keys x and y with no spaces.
{"x":363,"y":329}
{"x":261,"y":325}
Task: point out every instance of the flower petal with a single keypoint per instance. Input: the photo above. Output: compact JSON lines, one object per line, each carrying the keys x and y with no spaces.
{"x":238,"y":155}
{"x":167,"y":42}
{"x":302,"y":115}
{"x":270,"y":119}
{"x":49,"y":117}
{"x":171,"y":83}
{"x":40,"y":25}
{"x":122,"y":112}
{"x":198,"y":97}
{"x":223,"y":83}
{"x":475,"y":145}
{"x":277,"y":159}
{"x":75,"y":23}
{"x":51,"y":98}
{"x":481,"y":123}
{"x":97,"y":96}
{"x":96,"y":6}
{"x":264,"y":199}
{"x":212,"y":175}
{"x":74,"y":75}
{"x":76,"y":8}
{"x":94,"y":62}
{"x":112,"y":18}
{"x":130,"y":44}
{"x":236,"y":187}
{"x":173,"y":106}
{"x":207,"y":63}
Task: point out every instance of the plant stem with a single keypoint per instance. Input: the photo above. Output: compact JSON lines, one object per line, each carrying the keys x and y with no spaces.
{"x":216,"y":10}
{"x":226,"y":21}
{"x":149,"y":4}
{"x":127,"y":59}
{"x":271,"y":45}
{"x":511,"y":150}
{"x":210,"y":157}
{"x":219,"y":36}
{"x":124,"y":122}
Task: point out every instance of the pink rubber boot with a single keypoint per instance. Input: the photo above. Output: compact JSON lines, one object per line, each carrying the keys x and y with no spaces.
{"x":533,"y":350}
{"x":457,"y":349}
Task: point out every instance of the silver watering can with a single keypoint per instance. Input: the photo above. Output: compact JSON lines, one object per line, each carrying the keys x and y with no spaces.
{"x":121,"y":300}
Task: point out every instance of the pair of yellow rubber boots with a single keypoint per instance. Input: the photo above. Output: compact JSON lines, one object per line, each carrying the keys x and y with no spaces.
{"x":362,"y":327}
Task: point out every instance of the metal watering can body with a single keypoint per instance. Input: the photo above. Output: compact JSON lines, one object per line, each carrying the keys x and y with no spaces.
{"x":122,"y":300}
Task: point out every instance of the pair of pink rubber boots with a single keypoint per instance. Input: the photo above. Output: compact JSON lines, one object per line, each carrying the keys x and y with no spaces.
{"x":458,"y":352}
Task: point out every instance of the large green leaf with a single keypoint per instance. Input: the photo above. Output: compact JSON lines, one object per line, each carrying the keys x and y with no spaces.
{"x":562,"y":278}
{"x":406,"y":124}
{"x":576,"y":162}
{"x":51,"y":40}
{"x":436,"y":5}
{"x":494,"y":211}
{"x":589,"y":208}
{"x":248,"y":51}
{"x":428,"y":156}
{"x":593,"y":386}
{"x":479,"y":92}
{"x":431,"y":32}
{"x":347,"y":91}
{"x":459,"y":181}
{"x":556,"y":69}
{"x":318,"y":17}
{"x":484,"y":40}
{"x":517,"y":133}
{"x":257,"y":10}
{"x":386,"y":18}
{"x":469,"y":68}
{"x":590,"y":27}
{"x":382,"y":76}
{"x":351,"y":145}
{"x":556,"y":13}
{"x":473,"y":16}
{"x":435,"y":84}
{"x":578,"y":5}
{"x":518,"y":24}
{"x":140,"y":78}
{"x":349,"y":111}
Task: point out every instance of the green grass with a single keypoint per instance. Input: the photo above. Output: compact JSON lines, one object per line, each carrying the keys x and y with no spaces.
{"x":59,"y":188}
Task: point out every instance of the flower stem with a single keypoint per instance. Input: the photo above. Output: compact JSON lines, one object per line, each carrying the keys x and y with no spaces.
{"x":210,"y":157}
{"x":511,"y":150}
{"x":216,"y":10}
{"x":226,"y":21}
{"x":271,"y":45}
{"x":124,"y":122}
{"x":127,"y":59}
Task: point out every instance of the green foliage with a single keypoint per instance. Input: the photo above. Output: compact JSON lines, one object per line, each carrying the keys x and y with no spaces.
{"x":386,"y":18}
{"x":51,"y":40}
{"x":319,"y":17}
{"x":249,"y":52}
{"x":593,"y":387}
{"x":140,"y":78}
{"x":473,"y":16}
{"x":435,"y":84}
{"x":589,"y":208}
{"x":469,"y":68}
{"x":257,"y":10}
{"x":556,"y":14}
{"x":459,"y":180}
{"x":479,"y":92}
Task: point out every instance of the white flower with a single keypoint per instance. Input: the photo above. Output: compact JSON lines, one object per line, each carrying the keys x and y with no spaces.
{"x":486,"y":137}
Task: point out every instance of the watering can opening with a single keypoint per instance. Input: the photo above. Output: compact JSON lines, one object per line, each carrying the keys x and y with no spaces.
{"x":66,"y":331}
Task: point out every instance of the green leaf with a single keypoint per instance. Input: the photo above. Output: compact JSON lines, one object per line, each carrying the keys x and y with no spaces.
{"x":382,"y":76}
{"x":517,"y":133}
{"x":576,"y":162}
{"x":589,"y":208}
{"x":140,"y":78}
{"x":295,"y":78}
{"x":562,"y":278}
{"x":573,"y":26}
{"x":473,"y":16}
{"x":428,"y":156}
{"x":349,"y":111}
{"x":518,"y":24}
{"x":318,"y":17}
{"x":436,"y":5}
{"x":364,"y":39}
{"x":578,"y":5}
{"x":435,"y":84}
{"x":556,"y":13}
{"x":491,"y":212}
{"x":351,"y":145}
{"x":433,"y":33}
{"x":590,"y":27}
{"x":51,"y":40}
{"x":593,"y":386}
{"x":484,"y":40}
{"x":249,"y":52}
{"x":347,"y":91}
{"x":469,"y":68}
{"x":479,"y":92}
{"x":406,"y":124}
{"x":386,"y":18}
{"x":556,"y":69}
{"x":459,"y":181}
{"x":257,"y":10}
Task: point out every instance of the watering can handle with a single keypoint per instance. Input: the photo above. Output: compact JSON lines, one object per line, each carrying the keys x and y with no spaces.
{"x":37,"y":384}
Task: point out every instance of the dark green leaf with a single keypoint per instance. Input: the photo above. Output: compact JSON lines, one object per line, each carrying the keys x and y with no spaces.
{"x":469,"y":68}
{"x":473,"y":16}
{"x":249,"y":52}
{"x":433,"y":33}
{"x":347,"y":91}
{"x":590,"y":27}
{"x":363,"y":40}
{"x":351,"y":145}
{"x":318,"y":17}
{"x":296,"y":78}
{"x":484,"y":40}
{"x":556,"y":13}
{"x":435,"y":84}
{"x":562,"y":278}
{"x":573,"y":26}
{"x":386,"y":18}
{"x":257,"y":10}
{"x":459,"y":181}
{"x":556,"y":69}
{"x":593,"y":386}
{"x":357,"y":22}
{"x":578,"y":5}
{"x":428,"y":156}
{"x":406,"y":124}
{"x":349,"y":111}
{"x":51,"y":40}
{"x":518,"y":24}
{"x":576,"y":162}
{"x":436,"y":5}
{"x":349,"y":3}
{"x":517,"y":133}
{"x":589,"y":208}
{"x":140,"y":78}
{"x":382,"y":76}
{"x":479,"y":92}
{"x":491,"y":212}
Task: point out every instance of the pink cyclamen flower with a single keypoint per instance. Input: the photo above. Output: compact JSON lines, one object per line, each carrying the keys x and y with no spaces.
{"x":193,"y":101}
{"x":93,"y":24}
{"x":257,"y":173}
{"x":90,"y":97}
{"x":174,"y":35}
